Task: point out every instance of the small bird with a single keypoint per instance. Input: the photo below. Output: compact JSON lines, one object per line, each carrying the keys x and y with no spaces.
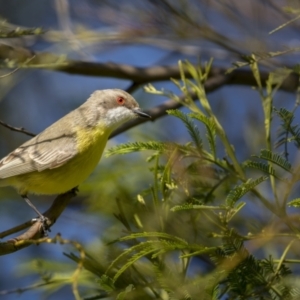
{"x":65,"y":154}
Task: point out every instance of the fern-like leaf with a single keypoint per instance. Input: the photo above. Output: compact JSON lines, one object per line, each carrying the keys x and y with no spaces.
{"x":138,"y":146}
{"x":161,"y":235}
{"x":210,"y":130}
{"x":276,"y":159}
{"x":159,"y":147}
{"x":189,"y":124}
{"x":260,"y":166}
{"x":132,"y":260}
{"x":154,"y":247}
{"x":239,"y":191}
{"x":167,"y":246}
{"x":107,"y":283}
{"x":189,"y":206}
{"x":287,"y":128}
{"x":286,"y":116}
{"x":141,"y":247}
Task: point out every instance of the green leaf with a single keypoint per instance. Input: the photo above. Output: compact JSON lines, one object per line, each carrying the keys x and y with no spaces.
{"x":215,"y":292}
{"x":139,"y":146}
{"x":106,"y":283}
{"x":239,"y":191}
{"x":294,"y":203}
{"x":159,"y":147}
{"x":123,"y":295}
{"x":196,"y":206}
{"x":189,"y":124}
{"x":210,"y":126}
{"x":201,"y":250}
{"x":145,"y":248}
{"x":132,"y":260}
{"x":287,"y":129}
{"x":286,"y":116}
{"x":276,"y":159}
{"x":260,"y":166}
{"x":8,"y":30}
{"x":139,"y":248}
{"x":156,"y":247}
{"x":162,"y":235}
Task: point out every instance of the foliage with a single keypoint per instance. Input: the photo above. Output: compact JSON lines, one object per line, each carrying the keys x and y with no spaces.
{"x":186,"y":234}
{"x":210,"y":225}
{"x":8,"y":30}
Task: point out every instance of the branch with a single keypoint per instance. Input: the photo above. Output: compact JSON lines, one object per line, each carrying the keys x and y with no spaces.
{"x":217,"y":79}
{"x":210,"y":85}
{"x":35,"y":228}
{"x":24,"y":58}
{"x":18,"y":129}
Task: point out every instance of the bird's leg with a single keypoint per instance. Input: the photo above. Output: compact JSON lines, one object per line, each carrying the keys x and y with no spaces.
{"x":32,"y":206}
{"x":42,"y":218}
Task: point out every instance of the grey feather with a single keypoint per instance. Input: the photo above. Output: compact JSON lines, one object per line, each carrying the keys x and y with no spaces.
{"x":50,"y":149}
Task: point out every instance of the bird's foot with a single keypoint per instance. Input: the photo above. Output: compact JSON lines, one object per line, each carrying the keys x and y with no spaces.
{"x":45,"y":228}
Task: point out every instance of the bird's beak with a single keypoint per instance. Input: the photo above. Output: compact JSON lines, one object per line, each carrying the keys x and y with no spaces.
{"x":141,"y":113}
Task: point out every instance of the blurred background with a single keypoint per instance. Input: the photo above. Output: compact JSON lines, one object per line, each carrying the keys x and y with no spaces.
{"x":141,"y":33}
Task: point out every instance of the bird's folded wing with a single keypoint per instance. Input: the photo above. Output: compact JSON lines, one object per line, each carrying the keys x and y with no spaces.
{"x":38,"y":154}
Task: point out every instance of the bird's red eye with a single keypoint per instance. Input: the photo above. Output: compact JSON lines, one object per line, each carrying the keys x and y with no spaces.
{"x":120,"y":100}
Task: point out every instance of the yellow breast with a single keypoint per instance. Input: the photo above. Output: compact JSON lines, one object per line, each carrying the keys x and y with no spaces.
{"x":90,"y":145}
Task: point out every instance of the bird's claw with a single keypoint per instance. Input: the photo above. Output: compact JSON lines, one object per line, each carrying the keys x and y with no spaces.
{"x":45,"y":224}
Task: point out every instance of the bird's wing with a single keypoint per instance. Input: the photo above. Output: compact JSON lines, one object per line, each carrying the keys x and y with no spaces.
{"x":39,"y":153}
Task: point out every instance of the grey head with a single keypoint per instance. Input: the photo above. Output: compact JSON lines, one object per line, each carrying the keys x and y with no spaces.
{"x":113,"y":107}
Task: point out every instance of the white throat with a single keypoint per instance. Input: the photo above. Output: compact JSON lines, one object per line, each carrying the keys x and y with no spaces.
{"x":117,"y":116}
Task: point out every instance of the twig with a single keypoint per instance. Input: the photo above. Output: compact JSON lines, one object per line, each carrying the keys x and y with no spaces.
{"x":18,"y":129}
{"x":57,"y":239}
{"x":10,"y":73}
{"x":35,"y":230}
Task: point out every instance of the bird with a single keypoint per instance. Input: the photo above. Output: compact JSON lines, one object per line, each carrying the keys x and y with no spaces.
{"x":62,"y":156}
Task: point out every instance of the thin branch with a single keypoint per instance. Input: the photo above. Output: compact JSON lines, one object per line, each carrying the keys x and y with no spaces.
{"x":9,"y":73}
{"x":133,"y":87}
{"x":18,"y":129}
{"x":35,"y":230}
{"x":19,"y":291}
{"x":75,"y":276}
